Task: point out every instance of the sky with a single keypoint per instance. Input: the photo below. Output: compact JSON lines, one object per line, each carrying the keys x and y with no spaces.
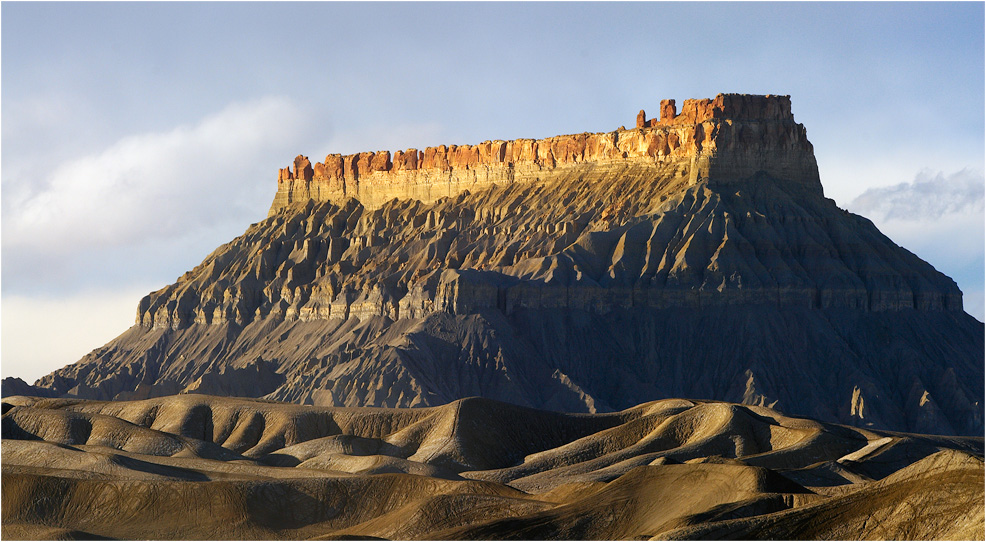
{"x":138,"y":137}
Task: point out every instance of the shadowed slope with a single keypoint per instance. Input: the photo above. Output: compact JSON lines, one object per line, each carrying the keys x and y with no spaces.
{"x":693,"y":257}
{"x":194,"y":466}
{"x":767,"y":295}
{"x":941,"y":495}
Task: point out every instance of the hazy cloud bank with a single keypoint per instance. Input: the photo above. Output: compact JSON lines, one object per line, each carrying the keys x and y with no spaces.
{"x":930,"y":195}
{"x":155,"y":185}
{"x":81,"y":321}
{"x":200,"y":183}
{"x":85,"y":239}
{"x":940,"y":217}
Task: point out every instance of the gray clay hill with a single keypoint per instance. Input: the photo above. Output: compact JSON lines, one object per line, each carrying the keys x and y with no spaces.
{"x":691,"y":256}
{"x":199,"y":467}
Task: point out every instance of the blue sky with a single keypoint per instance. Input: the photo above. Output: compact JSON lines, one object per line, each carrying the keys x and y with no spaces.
{"x":137,"y":137}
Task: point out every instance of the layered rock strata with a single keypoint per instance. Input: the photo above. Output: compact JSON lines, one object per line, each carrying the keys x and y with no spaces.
{"x":522,"y":248}
{"x":729,"y":138}
{"x":594,"y":281}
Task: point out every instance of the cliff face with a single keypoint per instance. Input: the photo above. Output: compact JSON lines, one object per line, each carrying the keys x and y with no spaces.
{"x":729,"y":138}
{"x":520,"y":247}
{"x":693,"y":255}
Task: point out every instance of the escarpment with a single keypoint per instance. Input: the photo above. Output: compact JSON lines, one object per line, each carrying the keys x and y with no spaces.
{"x":548,"y":246}
{"x":720,"y":204}
{"x":728,"y":139}
{"x":693,"y":255}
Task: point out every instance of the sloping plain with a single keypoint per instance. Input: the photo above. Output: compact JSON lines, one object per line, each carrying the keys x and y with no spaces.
{"x":203,"y":467}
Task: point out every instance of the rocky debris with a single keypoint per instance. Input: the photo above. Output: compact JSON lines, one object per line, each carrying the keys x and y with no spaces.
{"x":302,"y":171}
{"x":696,"y":247}
{"x":303,"y":168}
{"x":284,"y":175}
{"x":642,"y":121}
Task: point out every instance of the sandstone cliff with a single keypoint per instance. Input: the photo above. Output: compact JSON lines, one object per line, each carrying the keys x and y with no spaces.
{"x":729,"y":138}
{"x":694,"y":255}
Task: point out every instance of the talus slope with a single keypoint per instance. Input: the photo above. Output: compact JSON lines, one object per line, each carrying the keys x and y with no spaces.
{"x":592,"y":281}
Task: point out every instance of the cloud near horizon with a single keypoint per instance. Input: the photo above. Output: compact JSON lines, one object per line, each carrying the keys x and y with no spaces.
{"x":931,"y":195}
{"x":147,"y":207}
{"x":82,"y":321}
{"x":939,"y":217}
{"x":85,"y":241}
{"x":154,"y":185}
{"x":929,"y":210}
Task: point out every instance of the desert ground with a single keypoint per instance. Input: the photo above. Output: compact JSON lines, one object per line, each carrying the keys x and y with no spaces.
{"x":203,"y":467}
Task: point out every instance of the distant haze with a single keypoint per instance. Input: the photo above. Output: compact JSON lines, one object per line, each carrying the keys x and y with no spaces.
{"x":138,"y":137}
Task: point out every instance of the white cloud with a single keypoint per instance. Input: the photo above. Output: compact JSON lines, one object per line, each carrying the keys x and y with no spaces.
{"x":158,"y":184}
{"x":44,"y":333}
{"x":929,"y":196}
{"x":936,"y":213}
{"x":850,"y":165}
{"x":84,"y":240}
{"x":140,"y":212}
{"x":940,"y":218}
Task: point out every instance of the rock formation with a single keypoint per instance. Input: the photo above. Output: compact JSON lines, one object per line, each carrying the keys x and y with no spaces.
{"x":728,"y":139}
{"x":695,"y":256}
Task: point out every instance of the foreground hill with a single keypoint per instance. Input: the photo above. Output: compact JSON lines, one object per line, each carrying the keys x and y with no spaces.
{"x":691,"y":256}
{"x":202,"y":467}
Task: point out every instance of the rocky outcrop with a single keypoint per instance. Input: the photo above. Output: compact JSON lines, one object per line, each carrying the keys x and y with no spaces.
{"x":730,"y":138}
{"x":586,"y":272}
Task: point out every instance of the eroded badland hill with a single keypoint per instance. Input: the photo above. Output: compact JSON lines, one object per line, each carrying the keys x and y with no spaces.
{"x":581,"y":286}
{"x":201,"y":467}
{"x":693,"y":255}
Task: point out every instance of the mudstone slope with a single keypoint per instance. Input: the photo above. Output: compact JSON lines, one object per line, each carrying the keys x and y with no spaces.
{"x":693,"y":255}
{"x":198,"y":467}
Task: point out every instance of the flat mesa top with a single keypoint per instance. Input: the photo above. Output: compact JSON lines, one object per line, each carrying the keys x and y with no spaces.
{"x":729,"y":137}
{"x":735,"y":107}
